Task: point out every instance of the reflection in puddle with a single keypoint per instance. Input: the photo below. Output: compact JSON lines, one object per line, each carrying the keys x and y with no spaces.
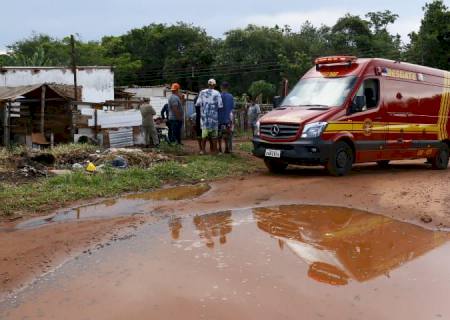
{"x":341,"y":244}
{"x":124,"y":206}
{"x":288,"y":262}
{"x":212,"y":226}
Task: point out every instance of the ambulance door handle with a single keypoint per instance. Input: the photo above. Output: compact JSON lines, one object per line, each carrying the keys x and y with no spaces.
{"x":378,"y":118}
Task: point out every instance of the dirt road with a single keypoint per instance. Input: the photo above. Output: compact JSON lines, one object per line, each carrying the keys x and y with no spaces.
{"x":408,"y":192}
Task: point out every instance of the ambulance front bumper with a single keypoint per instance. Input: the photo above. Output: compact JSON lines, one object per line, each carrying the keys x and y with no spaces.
{"x":303,"y":151}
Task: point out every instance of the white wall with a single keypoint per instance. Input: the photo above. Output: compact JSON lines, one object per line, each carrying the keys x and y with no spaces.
{"x":97,"y":82}
{"x":155,"y":94}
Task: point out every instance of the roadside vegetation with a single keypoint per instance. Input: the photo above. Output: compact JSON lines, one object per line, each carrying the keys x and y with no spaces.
{"x":56,"y":191}
{"x":254,"y":59}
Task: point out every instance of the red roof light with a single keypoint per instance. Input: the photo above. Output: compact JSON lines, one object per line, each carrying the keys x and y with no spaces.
{"x":335,"y":59}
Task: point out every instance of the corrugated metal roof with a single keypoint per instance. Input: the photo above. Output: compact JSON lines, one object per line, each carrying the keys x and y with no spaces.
{"x":8,"y":93}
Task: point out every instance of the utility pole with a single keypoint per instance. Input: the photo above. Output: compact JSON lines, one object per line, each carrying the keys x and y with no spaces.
{"x":74,"y":67}
{"x":75,"y":86}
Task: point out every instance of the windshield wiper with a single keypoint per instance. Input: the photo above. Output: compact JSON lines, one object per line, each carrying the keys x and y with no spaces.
{"x":321,"y":106}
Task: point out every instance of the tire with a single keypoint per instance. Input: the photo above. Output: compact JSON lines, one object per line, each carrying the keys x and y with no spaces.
{"x":440,"y":160}
{"x":341,"y":159}
{"x":383,"y":163}
{"x":275,"y":166}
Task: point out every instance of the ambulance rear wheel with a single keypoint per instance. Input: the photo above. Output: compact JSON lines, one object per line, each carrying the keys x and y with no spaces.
{"x":341,"y":159}
{"x":440,"y":160}
{"x":275,"y":166}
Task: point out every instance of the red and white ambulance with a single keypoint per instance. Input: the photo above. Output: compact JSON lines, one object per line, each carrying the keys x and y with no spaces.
{"x":348,"y":110}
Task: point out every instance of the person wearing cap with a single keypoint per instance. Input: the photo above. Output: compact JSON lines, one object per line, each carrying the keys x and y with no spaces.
{"x":148,"y":124}
{"x":210,"y":101}
{"x":226,"y":119}
{"x":175,"y":121}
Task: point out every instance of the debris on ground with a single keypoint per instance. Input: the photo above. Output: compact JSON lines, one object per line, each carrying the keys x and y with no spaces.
{"x":29,"y":164}
{"x":134,"y":157}
{"x":30,"y":171}
{"x":119,"y":162}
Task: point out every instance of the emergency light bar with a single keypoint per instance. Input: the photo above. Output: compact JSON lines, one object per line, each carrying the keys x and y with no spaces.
{"x":334,"y":60}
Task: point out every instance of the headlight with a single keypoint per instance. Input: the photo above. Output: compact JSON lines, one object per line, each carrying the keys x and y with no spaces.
{"x":314,"y":130}
{"x":257,"y":129}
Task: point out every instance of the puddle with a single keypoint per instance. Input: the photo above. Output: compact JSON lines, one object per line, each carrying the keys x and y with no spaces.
{"x":124,"y":206}
{"x":176,"y":193}
{"x":290,"y":262}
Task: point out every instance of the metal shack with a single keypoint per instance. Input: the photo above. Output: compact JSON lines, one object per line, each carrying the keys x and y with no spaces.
{"x":36,"y":115}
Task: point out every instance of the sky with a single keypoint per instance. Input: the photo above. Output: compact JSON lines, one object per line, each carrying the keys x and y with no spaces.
{"x":92,"y":19}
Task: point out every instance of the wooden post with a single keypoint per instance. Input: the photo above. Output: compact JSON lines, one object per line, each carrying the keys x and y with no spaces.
{"x":74,"y":67}
{"x":74,"y":106}
{"x":43,"y":90}
{"x":6,"y":132}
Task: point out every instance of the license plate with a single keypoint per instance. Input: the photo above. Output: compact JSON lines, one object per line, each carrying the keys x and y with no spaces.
{"x":273,"y":153}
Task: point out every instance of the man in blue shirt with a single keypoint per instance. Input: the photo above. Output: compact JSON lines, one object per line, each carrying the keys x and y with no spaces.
{"x":175,"y":121}
{"x":226,"y":119}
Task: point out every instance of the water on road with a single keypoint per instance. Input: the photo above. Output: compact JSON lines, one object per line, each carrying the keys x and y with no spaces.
{"x":287,"y":262}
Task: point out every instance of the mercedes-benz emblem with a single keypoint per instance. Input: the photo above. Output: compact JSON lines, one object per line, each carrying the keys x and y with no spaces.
{"x":275,"y":130}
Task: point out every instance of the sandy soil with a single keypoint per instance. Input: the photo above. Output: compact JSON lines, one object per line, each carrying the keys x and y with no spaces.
{"x":407,"y":191}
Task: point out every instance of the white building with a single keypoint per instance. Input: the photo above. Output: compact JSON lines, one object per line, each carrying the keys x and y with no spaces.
{"x":97,"y":82}
{"x":159,"y":96}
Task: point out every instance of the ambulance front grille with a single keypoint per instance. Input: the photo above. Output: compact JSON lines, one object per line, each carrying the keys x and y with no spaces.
{"x":280,"y":131}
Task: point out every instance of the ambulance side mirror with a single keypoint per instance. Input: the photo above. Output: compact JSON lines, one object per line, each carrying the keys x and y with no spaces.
{"x":358,"y":104}
{"x":277,"y":101}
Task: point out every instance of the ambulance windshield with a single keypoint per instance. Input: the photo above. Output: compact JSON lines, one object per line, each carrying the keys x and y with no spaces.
{"x":320,"y":92}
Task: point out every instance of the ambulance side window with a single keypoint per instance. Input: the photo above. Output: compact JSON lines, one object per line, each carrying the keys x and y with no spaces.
{"x":367,"y":97}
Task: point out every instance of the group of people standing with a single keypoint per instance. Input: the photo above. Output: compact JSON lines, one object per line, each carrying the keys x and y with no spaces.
{"x":213,"y":118}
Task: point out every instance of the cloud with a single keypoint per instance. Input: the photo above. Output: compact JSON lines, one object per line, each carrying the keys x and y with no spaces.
{"x":404,"y":26}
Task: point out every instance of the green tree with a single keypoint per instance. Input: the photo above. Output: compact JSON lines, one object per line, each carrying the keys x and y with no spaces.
{"x":351,"y":35}
{"x":384,"y":44}
{"x":40,"y":49}
{"x":262,"y":88}
{"x":38,"y":58}
{"x":431,"y":45}
{"x":249,"y":54}
{"x":380,"y":20}
{"x":5,"y":60}
{"x":170,"y":53}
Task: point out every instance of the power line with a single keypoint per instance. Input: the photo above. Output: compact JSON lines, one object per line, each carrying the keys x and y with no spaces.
{"x":142,"y":80}
{"x":204,"y":73}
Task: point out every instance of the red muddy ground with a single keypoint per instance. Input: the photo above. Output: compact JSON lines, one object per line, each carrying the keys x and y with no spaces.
{"x":408,"y":192}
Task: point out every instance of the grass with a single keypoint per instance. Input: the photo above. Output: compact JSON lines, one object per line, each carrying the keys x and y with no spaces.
{"x":57,"y":191}
{"x":173,"y":149}
{"x":245,"y":146}
{"x":7,"y":153}
{"x":67,"y":149}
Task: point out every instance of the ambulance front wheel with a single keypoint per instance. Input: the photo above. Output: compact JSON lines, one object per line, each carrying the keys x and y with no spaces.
{"x":341,"y":159}
{"x":275,"y":165}
{"x":440,"y":160}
